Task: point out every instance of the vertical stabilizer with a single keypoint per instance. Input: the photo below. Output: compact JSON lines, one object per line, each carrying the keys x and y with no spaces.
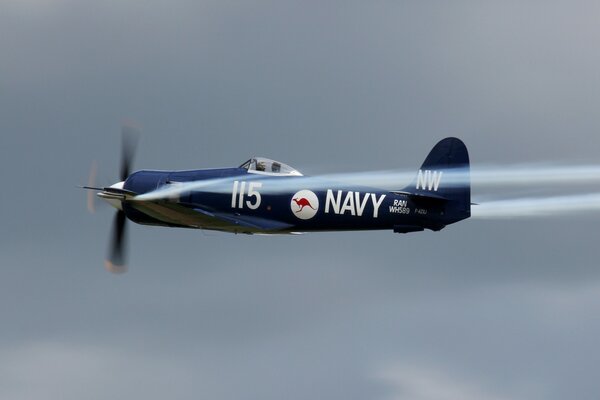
{"x":445,"y":175}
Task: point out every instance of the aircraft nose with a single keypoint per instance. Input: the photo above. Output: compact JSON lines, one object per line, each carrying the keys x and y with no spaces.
{"x":113,"y":199}
{"x":118,"y":185}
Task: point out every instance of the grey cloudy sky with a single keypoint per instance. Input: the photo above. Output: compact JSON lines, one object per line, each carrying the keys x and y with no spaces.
{"x":495,"y":309}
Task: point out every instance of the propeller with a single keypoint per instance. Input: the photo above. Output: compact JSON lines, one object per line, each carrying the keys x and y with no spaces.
{"x":130,"y":135}
{"x":117,"y":252}
{"x":115,"y":261}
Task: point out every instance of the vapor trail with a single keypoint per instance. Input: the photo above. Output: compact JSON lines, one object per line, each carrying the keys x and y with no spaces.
{"x":535,"y":174}
{"x":482,"y":177}
{"x":537,"y":206}
{"x":479,"y":176}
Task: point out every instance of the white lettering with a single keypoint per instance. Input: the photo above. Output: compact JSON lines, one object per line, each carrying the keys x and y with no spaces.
{"x":360,"y":207}
{"x":253,"y":193}
{"x":238,"y":194}
{"x":434,"y":180}
{"x":429,"y":180}
{"x":420,"y":180}
{"x":399,"y":210}
{"x":376,"y":203}
{"x":400,"y":203}
{"x":234,"y":194}
{"x":349,"y":204}
{"x":352,"y":204}
{"x":334,"y":202}
{"x":242,"y":192}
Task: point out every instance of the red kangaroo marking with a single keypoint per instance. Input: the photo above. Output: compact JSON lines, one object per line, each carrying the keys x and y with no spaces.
{"x":303,"y":202}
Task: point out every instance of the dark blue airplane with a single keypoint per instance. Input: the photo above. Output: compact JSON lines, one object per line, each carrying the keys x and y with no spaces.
{"x":264,"y":196}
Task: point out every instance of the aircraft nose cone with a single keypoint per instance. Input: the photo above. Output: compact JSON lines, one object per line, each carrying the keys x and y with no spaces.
{"x":112,"y":199}
{"x":118,"y":185}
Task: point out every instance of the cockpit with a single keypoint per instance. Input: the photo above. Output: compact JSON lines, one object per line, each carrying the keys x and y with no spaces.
{"x":265,"y":166}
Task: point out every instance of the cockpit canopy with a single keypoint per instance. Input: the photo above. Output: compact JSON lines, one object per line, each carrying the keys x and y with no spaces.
{"x":265,"y":166}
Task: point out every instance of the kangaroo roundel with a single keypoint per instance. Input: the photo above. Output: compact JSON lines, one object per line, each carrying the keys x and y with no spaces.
{"x":304,"y":204}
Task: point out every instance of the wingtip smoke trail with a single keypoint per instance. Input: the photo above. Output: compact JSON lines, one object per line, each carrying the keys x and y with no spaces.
{"x":537,"y":206}
{"x":534,"y":174}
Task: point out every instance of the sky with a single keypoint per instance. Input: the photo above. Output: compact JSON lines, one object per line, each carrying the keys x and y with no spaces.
{"x":503,"y":308}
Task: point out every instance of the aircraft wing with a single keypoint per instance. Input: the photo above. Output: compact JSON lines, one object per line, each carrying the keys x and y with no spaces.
{"x":247,"y":220}
{"x":198,"y":217}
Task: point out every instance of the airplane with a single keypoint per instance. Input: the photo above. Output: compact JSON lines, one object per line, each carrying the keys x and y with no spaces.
{"x":264,"y":196}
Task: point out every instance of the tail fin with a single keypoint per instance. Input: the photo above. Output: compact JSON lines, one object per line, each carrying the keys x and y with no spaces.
{"x":445,"y":176}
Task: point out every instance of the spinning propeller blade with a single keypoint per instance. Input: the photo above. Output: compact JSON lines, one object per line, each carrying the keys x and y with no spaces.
{"x":130,"y":136}
{"x":116,"y":260}
{"x":116,"y":195}
{"x":117,"y":250}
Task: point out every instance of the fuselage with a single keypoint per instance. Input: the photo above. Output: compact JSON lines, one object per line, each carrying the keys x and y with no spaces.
{"x":264,"y":196}
{"x":244,"y":202}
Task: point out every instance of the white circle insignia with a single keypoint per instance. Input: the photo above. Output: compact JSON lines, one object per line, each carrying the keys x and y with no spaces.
{"x":304,"y":204}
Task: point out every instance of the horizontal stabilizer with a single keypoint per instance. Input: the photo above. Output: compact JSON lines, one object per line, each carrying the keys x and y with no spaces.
{"x":417,"y":195}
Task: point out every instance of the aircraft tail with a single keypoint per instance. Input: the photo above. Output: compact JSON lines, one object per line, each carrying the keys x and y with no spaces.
{"x":444,"y":179}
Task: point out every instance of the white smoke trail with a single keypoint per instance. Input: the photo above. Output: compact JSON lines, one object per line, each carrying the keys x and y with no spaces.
{"x":535,"y":174}
{"x":537,"y":206}
{"x":483,"y":178}
{"x":480,"y":177}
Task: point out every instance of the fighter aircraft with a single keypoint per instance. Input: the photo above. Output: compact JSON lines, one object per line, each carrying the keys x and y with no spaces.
{"x":264,"y":196}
